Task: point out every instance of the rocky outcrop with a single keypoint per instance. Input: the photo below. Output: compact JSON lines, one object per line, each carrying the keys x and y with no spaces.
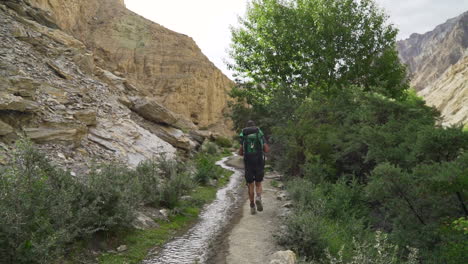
{"x":48,"y":94}
{"x":429,"y":55}
{"x":449,"y":93}
{"x":91,"y":81}
{"x":437,"y":64}
{"x":157,"y":62}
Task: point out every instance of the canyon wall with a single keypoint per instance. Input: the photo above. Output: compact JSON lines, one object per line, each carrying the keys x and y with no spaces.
{"x":90,"y":81}
{"x":156,"y":61}
{"x":438,"y":66}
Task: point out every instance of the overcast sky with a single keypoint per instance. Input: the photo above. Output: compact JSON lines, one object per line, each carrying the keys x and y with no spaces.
{"x":208,"y":21}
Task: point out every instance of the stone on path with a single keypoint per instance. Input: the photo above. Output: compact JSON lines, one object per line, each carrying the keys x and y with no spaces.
{"x":283,"y":257}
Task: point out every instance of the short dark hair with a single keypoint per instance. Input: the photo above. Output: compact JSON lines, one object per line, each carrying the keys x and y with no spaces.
{"x":250,"y":123}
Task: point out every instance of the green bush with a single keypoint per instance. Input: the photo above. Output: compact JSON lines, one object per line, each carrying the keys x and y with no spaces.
{"x":381,"y":251}
{"x":44,"y":209}
{"x":41,"y":208}
{"x":223,"y":142}
{"x":206,"y":169}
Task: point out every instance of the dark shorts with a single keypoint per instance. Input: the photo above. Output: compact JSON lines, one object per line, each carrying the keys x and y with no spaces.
{"x":254,"y":169}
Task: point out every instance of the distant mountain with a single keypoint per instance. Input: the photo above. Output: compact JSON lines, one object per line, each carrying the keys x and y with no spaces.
{"x":438,"y":66}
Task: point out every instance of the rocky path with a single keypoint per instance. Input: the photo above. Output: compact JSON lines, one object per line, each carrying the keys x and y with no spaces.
{"x":251,"y":240}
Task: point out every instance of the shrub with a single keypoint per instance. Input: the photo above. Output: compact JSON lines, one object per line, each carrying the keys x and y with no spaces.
{"x":41,"y":209}
{"x":379,"y":252}
{"x":44,"y":209}
{"x":149,"y":177}
{"x":115,"y":192}
{"x":223,"y":142}
{"x":206,"y":169}
{"x":172,"y":189}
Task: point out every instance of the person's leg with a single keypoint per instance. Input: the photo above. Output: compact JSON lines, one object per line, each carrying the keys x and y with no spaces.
{"x":258,"y":189}
{"x":251,"y":192}
{"x":249,"y":178}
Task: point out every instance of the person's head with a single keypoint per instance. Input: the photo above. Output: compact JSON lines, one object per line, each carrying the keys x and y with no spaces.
{"x":250,"y":123}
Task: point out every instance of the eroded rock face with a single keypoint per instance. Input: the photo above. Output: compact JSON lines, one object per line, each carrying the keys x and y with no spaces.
{"x":156,"y":61}
{"x":48,"y":93}
{"x":449,"y":93}
{"x":429,"y":55}
{"x":437,"y":63}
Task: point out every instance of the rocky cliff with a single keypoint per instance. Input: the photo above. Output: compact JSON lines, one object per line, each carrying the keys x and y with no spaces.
{"x":87,"y":90}
{"x":156,"y":61}
{"x":437,"y":63}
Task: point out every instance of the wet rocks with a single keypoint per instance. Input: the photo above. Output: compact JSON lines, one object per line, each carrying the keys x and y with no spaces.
{"x":283,"y":257}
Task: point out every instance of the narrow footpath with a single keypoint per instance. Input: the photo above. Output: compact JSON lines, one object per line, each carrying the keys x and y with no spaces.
{"x":251,"y":240}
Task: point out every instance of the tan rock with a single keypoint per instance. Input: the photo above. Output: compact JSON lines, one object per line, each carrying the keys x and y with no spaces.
{"x":283,"y":257}
{"x":156,"y":61}
{"x":16,"y":103}
{"x":449,"y":94}
{"x":129,"y":141}
{"x":85,"y":62}
{"x":200,"y":135}
{"x":88,"y":117}
{"x":58,"y":70}
{"x":5,"y":128}
{"x":23,"y":86}
{"x":51,"y":134}
{"x":438,"y":63}
{"x":175,"y":137}
{"x":152,"y":110}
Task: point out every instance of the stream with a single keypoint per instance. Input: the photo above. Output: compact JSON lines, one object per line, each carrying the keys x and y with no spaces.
{"x":195,"y":245}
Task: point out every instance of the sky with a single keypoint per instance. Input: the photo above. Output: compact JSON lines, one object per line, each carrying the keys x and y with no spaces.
{"x":208,"y":22}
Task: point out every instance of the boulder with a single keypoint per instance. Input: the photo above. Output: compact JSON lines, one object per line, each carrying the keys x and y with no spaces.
{"x":200,"y":135}
{"x":175,"y":137}
{"x":5,"y":129}
{"x":152,"y":110}
{"x":16,"y":103}
{"x":143,"y":222}
{"x":283,"y":257}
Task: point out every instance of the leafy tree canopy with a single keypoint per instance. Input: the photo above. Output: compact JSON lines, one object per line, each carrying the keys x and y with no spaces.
{"x":289,"y":48}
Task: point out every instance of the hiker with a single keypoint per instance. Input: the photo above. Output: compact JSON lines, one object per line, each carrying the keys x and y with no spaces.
{"x":253,"y":148}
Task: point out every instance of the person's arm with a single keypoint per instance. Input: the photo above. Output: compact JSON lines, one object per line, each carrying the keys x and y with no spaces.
{"x":241,"y":141}
{"x":266,"y":147}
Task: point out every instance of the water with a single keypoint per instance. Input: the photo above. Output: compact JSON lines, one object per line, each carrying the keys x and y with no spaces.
{"x":194,"y":246}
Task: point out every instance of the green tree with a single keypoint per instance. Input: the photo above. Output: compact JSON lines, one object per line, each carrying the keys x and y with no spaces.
{"x":288,"y":48}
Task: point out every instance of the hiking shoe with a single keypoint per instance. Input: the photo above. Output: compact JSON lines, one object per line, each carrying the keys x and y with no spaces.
{"x":259,"y":204}
{"x":252,"y":209}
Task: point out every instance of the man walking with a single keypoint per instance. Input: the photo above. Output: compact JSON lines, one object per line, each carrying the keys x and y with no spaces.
{"x":253,"y":148}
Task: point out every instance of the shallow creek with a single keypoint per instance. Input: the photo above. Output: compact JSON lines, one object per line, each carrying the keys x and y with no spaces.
{"x":195,"y":245}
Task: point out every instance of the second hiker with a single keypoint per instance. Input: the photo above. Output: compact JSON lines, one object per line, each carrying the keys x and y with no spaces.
{"x":253,"y":148}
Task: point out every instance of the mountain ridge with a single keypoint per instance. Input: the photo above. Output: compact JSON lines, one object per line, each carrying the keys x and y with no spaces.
{"x":436,"y":63}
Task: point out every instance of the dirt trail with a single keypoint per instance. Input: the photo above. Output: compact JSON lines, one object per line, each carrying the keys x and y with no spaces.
{"x":251,"y":239}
